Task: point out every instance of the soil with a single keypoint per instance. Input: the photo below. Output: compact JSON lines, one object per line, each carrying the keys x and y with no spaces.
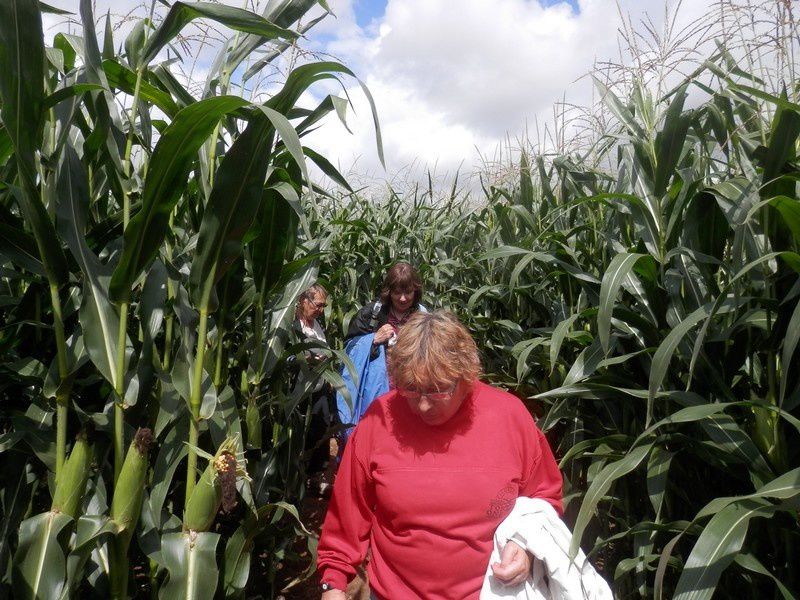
{"x":312,"y":513}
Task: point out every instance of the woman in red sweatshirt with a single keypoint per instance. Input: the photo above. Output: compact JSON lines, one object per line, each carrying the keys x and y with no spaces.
{"x":429,"y":473}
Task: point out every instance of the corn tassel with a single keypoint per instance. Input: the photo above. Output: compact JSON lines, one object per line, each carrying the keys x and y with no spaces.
{"x":126,"y":507}
{"x":216,"y":488}
{"x":71,"y":483}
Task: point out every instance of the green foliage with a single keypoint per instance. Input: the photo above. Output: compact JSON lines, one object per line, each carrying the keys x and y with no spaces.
{"x":149,"y":270}
{"x":643,"y":301}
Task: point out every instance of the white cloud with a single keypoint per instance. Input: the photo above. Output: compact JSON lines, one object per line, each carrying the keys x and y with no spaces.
{"x":453,"y":80}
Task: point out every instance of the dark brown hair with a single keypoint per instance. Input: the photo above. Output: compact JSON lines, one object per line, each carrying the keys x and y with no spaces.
{"x":401,"y":276}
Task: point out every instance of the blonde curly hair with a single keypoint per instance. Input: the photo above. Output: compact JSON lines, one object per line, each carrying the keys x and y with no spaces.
{"x":433,"y":351}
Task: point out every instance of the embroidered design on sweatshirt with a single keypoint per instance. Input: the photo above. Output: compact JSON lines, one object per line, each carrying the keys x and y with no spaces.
{"x":503,"y":502}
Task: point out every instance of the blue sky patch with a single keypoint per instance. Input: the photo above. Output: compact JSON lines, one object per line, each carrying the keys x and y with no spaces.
{"x":367,"y":10}
{"x":572,"y":3}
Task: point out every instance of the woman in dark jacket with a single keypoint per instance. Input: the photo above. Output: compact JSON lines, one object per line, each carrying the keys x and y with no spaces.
{"x":379,"y":322}
{"x":399,"y":299}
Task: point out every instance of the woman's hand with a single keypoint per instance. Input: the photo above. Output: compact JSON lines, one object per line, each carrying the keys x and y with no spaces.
{"x":384,"y":333}
{"x":514,"y":566}
{"x":334,"y":595}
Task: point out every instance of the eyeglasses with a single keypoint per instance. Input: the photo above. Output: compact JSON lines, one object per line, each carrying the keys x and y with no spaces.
{"x":436,"y":396}
{"x":320,"y":305}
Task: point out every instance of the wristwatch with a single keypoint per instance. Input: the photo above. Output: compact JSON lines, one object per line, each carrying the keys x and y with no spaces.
{"x":326,"y":587}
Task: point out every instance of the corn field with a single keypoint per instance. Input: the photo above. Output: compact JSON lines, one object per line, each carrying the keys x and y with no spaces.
{"x":642,"y":297}
{"x":151,"y":264}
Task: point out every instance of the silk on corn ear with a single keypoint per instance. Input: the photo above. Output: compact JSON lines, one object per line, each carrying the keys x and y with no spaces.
{"x":216,"y":488}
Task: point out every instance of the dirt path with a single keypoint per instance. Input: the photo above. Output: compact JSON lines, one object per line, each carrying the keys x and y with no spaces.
{"x":312,"y":513}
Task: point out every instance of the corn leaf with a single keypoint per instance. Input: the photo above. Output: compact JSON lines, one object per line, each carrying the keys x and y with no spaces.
{"x":39,"y":569}
{"x":789,"y":346}
{"x":289,"y":137}
{"x":600,"y":486}
{"x":560,"y":332}
{"x":236,"y":562}
{"x":20,"y":248}
{"x":622,"y":112}
{"x":657,"y":475}
{"x":283,"y":14}
{"x":172,"y":450}
{"x":16,"y":495}
{"x":305,"y":75}
{"x":729,"y":438}
{"x":717,"y":547}
{"x":22,"y":94}
{"x":791,"y":258}
{"x":751,"y":563}
{"x":781,"y":149}
{"x":22,"y":76}
{"x":785,"y":487}
{"x":225,"y":422}
{"x":666,"y":349}
{"x":616,"y":273}
{"x":122,"y":78}
{"x":151,"y":317}
{"x":182,"y":380}
{"x":585,"y":364}
{"x":69,"y":91}
{"x":789,"y":209}
{"x":326,"y":167}
{"x":89,"y":534}
{"x":275,"y":242}
{"x":239,"y":19}
{"x":99,"y":318}
{"x":190,"y":560}
{"x":301,"y":274}
{"x":670,"y":141}
{"x":166,"y":180}
{"x":231,"y":209}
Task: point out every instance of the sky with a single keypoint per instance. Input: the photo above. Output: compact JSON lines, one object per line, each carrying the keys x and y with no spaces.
{"x":365,"y":11}
{"x":455,"y":82}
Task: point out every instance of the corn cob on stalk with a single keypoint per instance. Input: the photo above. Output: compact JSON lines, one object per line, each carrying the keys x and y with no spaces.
{"x":216,"y":488}
{"x":126,"y":507}
{"x":127,"y":502}
{"x":71,"y":483}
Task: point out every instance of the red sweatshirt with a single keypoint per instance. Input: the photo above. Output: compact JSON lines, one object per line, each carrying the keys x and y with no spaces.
{"x":427,"y":499}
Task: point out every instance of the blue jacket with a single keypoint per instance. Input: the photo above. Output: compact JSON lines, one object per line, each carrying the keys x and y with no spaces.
{"x":372,"y":379}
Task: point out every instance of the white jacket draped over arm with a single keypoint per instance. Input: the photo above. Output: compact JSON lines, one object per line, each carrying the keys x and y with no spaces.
{"x":537,"y":528}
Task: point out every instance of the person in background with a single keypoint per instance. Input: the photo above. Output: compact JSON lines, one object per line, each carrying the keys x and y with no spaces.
{"x":310,"y":308}
{"x":400,"y":297}
{"x":372,"y":332}
{"x":431,"y":470}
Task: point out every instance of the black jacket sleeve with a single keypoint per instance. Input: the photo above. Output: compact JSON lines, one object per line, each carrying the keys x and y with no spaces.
{"x":359,"y":325}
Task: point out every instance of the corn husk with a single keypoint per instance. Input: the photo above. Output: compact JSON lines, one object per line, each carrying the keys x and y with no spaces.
{"x":71,"y":483}
{"x":126,"y":506}
{"x":129,"y":491}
